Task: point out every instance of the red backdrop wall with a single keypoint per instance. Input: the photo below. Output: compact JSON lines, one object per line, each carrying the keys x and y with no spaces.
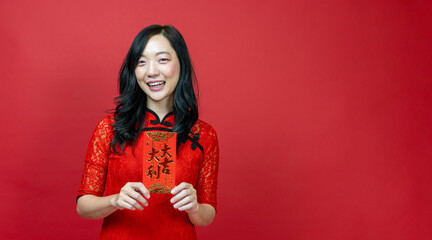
{"x":323,"y":111}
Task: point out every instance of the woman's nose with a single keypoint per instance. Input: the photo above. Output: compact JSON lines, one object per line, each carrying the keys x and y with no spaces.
{"x":152,"y":69}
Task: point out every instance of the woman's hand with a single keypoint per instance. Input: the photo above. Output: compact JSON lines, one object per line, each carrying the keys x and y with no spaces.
{"x":185,"y":198}
{"x":131,"y":197}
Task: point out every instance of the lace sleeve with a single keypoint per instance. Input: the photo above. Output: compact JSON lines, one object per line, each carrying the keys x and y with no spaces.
{"x":207,"y":176}
{"x":96,"y":160}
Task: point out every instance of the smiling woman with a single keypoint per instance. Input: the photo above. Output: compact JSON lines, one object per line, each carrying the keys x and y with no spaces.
{"x":151,"y":178}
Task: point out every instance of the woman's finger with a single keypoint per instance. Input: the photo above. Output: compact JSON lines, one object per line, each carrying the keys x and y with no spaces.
{"x":180,"y":187}
{"x":181,"y":195}
{"x":189,"y":207}
{"x":186,"y":200}
{"x":139,"y":187}
{"x":136,"y":190}
{"x":124,"y":205}
{"x":134,"y":203}
{"x":138,"y":197}
{"x":130,"y":193}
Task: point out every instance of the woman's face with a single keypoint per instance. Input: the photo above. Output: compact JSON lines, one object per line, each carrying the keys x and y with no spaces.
{"x":158,"y":71}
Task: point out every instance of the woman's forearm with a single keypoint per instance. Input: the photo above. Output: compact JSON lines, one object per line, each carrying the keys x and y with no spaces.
{"x":93,"y":207}
{"x":203,"y":216}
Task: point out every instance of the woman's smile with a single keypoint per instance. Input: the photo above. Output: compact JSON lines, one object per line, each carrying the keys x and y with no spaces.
{"x":156,"y":85}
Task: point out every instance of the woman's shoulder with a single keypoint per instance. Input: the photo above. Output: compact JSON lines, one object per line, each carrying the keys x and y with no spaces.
{"x":201,"y":126}
{"x":205,"y":131}
{"x":107,"y":120}
{"x":105,"y":124}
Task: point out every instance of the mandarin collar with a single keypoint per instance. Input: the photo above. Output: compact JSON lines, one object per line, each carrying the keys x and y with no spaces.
{"x":153,"y":119}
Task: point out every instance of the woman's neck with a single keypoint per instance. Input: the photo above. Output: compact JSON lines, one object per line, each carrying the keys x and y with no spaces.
{"x":161,"y":108}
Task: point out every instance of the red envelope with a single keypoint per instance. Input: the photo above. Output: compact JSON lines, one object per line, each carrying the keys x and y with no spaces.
{"x":159,"y":161}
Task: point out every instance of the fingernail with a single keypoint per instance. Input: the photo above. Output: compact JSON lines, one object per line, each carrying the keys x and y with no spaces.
{"x":175,"y":205}
{"x":172,"y":200}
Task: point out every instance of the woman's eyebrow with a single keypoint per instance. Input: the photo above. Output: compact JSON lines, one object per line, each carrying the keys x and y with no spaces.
{"x":158,"y":53}
{"x":163,"y":53}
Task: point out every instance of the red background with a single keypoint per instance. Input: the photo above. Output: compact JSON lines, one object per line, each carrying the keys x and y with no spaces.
{"x":323,"y":112}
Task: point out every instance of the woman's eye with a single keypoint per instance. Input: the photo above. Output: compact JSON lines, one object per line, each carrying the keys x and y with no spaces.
{"x":164,"y":60}
{"x":141,"y":62}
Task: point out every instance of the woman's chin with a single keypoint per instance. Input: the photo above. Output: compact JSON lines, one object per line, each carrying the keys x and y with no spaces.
{"x":158,"y":98}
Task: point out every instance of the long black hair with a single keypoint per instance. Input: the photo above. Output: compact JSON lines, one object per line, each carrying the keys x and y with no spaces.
{"x":129,"y":115}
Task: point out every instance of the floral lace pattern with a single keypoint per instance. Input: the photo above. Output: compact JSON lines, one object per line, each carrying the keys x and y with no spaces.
{"x":96,"y":161}
{"x":208,"y":171}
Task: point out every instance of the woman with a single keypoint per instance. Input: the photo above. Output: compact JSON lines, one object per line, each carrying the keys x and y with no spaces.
{"x":155,"y":82}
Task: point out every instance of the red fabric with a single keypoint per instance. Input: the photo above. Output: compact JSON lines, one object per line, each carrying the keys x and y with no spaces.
{"x":106,"y":173}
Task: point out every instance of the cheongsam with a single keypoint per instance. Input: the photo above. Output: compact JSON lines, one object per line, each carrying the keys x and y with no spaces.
{"x":105,"y":173}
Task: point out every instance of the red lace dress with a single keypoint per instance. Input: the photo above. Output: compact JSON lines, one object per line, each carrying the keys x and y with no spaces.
{"x":105,"y":173}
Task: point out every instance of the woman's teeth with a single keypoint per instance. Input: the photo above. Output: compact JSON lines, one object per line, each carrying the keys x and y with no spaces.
{"x":156,"y":84}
